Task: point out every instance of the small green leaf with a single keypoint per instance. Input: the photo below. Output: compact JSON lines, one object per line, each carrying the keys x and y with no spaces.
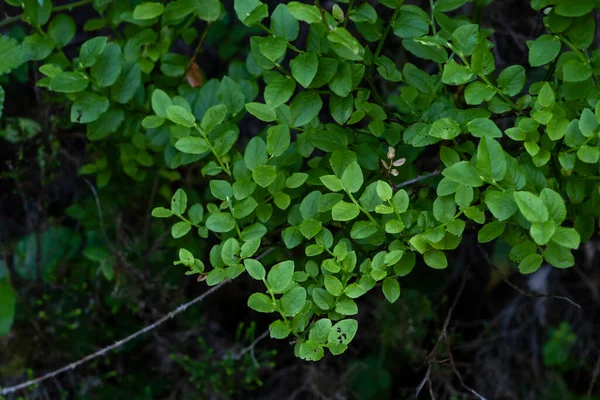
{"x":344,"y":211}
{"x":181,"y":116}
{"x":69,"y":82}
{"x":391,"y":289}
{"x":180,"y":229}
{"x":352,"y":178}
{"x":543,"y":50}
{"x":464,"y":173}
{"x":490,"y":231}
{"x":280,"y":276}
{"x":293,"y":301}
{"x":261,"y":302}
{"x":435,"y":259}
{"x":532,"y":208}
{"x":148,"y":11}
{"x":530,"y":264}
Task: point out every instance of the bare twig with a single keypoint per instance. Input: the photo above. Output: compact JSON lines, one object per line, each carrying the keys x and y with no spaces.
{"x":457,"y":373}
{"x":518,"y":289}
{"x":250,"y":349}
{"x":199,"y":46}
{"x":100,"y":215}
{"x":431,"y":356}
{"x":594,"y":376}
{"x":115,"y":345}
{"x":417,"y":179}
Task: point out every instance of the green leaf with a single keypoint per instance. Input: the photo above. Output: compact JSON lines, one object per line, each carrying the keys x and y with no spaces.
{"x":400,"y":201}
{"x":296,"y":180}
{"x":12,"y":54}
{"x":231,"y":95}
{"x":363,"y":230}
{"x":69,"y":82}
{"x":567,"y":237}
{"x":333,"y":285}
{"x":279,"y":330}
{"x":310,"y":227}
{"x":445,"y":128}
{"x":208,"y":10}
{"x":283,"y":23}
{"x":532,"y":208}
{"x":384,"y":191}
{"x":490,"y":231}
{"x":304,"y":68}
{"x":341,"y":83}
{"x":574,"y":8}
{"x":180,"y":229}
{"x":543,"y":50}
{"x":107,"y":68}
{"x":576,"y":70}
{"x":280,"y":276}
{"x":261,"y":111}
{"x":352,"y":178}
{"x":37,"y":46}
{"x":332,"y":182}
{"x":126,"y":86}
{"x":541,"y":232}
{"x":343,"y":332}
{"x":555,"y":205}
{"x":530,"y":264}
{"x":466,"y":38}
{"x":279,"y":90}
{"x":512,"y":80}
{"x":61,"y":30}
{"x":192,"y":145}
{"x":478,"y":92}
{"x":412,"y":22}
{"x":588,"y":124}
{"x":181,"y":116}
{"x":305,"y":107}
{"x":444,"y":208}
{"x":304,"y":12}
{"x":107,"y":124}
{"x":213,"y":117}
{"x":436,"y":259}
{"x":354,"y":290}
{"x":179,"y":202}
{"x":88,"y":107}
{"x":8,"y":300}
{"x":502,"y":205}
{"x":161,"y":212}
{"x":558,"y":256}
{"x":456,"y":74}
{"x":148,"y":11}
{"x":293,"y":301}
{"x":391,"y":289}
{"x":256,"y":153}
{"x":264,"y":175}
{"x":464,"y":173}
{"x":448,"y":5}
{"x":160,"y":102}
{"x":588,"y":154}
{"x":344,"y":211}
{"x":546,"y":96}
{"x":261,"y":302}
{"x":220,"y":222}
{"x":250,"y":12}
{"x":491,"y":160}
{"x":222,"y":190}
{"x":278,"y":140}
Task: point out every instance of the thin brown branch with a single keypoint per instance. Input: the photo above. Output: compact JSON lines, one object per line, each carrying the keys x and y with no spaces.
{"x":595,"y":373}
{"x":119,"y":343}
{"x":518,"y":289}
{"x":418,"y":179}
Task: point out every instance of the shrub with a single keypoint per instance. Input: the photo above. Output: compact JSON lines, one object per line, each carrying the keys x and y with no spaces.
{"x":344,"y":187}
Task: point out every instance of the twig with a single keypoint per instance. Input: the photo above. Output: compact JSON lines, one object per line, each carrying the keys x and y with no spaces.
{"x":418,"y":179}
{"x":594,"y":376}
{"x":431,"y":356}
{"x":100,"y":215}
{"x":518,"y":289}
{"x":318,"y":4}
{"x":250,"y":349}
{"x":199,"y":46}
{"x":457,"y":373}
{"x":115,"y":345}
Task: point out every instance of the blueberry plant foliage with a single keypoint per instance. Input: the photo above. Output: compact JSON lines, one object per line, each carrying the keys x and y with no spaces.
{"x":322,"y":187}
